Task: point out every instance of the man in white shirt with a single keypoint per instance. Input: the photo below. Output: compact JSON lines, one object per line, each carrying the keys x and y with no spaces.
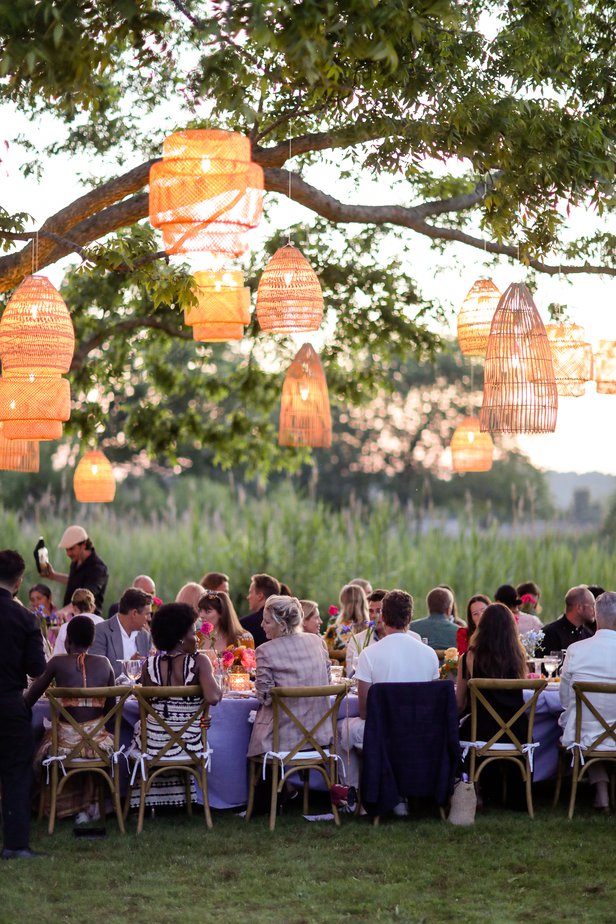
{"x":123,"y":636}
{"x":397,"y":658}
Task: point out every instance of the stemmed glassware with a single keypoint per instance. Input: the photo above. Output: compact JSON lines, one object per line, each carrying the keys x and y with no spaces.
{"x":132,"y":667}
{"x":552,"y":663}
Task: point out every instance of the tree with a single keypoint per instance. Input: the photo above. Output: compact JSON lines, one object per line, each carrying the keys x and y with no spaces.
{"x":389,"y":88}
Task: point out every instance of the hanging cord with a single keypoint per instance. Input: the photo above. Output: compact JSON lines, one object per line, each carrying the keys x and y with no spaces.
{"x":289,"y":175}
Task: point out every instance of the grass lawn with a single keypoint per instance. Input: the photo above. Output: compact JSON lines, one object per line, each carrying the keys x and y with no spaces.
{"x":506,"y":868}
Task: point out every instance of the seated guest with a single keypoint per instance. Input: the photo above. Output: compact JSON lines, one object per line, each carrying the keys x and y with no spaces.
{"x":351,"y":619}
{"x":576,"y":623}
{"x":76,"y":668}
{"x":285,"y":590}
{"x":216,"y":608}
{"x":261,"y":587}
{"x":40,"y":596}
{"x":177,"y":664}
{"x":288,"y":658}
{"x":596,"y":590}
{"x":399,"y":657}
{"x":215,"y":580}
{"x":365,"y":585}
{"x":190,"y":593}
{"x":142,"y":582}
{"x":125,"y":635}
{"x":438,"y":627}
{"x":508,"y":595}
{"x":312,"y":618}
{"x":454,"y":608}
{"x":82,"y":603}
{"x":474,"y":608}
{"x":374,"y":633}
{"x":592,"y":659}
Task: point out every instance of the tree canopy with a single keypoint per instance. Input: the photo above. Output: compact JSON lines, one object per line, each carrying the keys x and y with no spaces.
{"x":489,"y":120}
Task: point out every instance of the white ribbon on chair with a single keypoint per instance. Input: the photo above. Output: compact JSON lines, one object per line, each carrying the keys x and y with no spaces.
{"x":140,"y":765}
{"x":581,"y":748}
{"x":50,"y":760}
{"x":310,"y":755}
{"x":206,"y":757}
{"x":528,"y":749}
{"x":115,"y":757}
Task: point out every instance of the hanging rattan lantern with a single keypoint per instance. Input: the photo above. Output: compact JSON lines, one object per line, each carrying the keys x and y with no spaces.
{"x":37,"y":341}
{"x":605,"y":367}
{"x":206,"y":193}
{"x":18,"y":455}
{"x":471,"y":450}
{"x":572,"y":358}
{"x":223,"y":307}
{"x":289,"y":297}
{"x":305,"y":417}
{"x":94,"y":481}
{"x":519,"y":393}
{"x":475,"y":317}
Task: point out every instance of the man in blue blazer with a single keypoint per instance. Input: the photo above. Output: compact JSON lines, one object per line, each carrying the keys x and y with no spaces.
{"x":125,"y":635}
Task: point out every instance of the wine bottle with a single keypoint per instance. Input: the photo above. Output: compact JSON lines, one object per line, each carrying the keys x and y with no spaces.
{"x":41,"y":555}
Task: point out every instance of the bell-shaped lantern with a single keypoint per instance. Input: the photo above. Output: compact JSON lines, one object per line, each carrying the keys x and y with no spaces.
{"x":223,"y":307}
{"x":475,"y":317}
{"x":289,"y":297}
{"x":519,"y":392}
{"x":37,"y":341}
{"x":471,"y":450}
{"x":94,"y":481}
{"x":605,"y":367}
{"x":305,"y":416}
{"x":206,"y":193}
{"x":572,"y":358}
{"x":18,"y":455}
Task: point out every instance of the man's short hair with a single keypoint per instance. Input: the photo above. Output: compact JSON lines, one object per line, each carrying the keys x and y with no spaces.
{"x":376,"y":596}
{"x":266,"y":584}
{"x":12,"y":566}
{"x":439,"y":600}
{"x":575,"y":595}
{"x":133,"y":599}
{"x":213,"y":579}
{"x":397,"y":609}
{"x":606,"y":610}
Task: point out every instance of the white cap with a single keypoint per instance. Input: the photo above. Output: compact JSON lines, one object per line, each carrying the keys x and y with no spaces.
{"x":73,"y":535}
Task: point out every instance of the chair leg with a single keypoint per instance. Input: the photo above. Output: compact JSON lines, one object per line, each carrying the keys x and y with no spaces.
{"x":529,"y":792}
{"x":306,"y":805}
{"x":274,"y":796}
{"x":252,"y":783}
{"x":206,"y":799}
{"x":574,"y":782}
{"x":375,"y":821}
{"x":559,"y":781}
{"x":141,"y":813}
{"x":53,"y":799}
{"x":117,"y":804}
{"x":187,"y":794}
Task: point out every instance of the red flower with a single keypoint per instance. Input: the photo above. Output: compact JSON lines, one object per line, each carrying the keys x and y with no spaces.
{"x":333,"y":611}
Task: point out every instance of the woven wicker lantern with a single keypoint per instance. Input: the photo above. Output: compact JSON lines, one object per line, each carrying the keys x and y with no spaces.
{"x":223,"y":308}
{"x":475,"y":317}
{"x":18,"y":455}
{"x":605,"y":367}
{"x":289,"y":297}
{"x":471,"y":450}
{"x":305,"y":417}
{"x":206,"y":193}
{"x":572,"y":358}
{"x":519,"y":393}
{"x":94,"y":481}
{"x":36,"y":347}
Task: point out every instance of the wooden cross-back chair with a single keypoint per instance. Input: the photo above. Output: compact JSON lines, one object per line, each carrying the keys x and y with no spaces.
{"x":307,"y":754}
{"x":598,"y":749}
{"x":151,"y":763}
{"x":59,"y":766}
{"x":504,"y":743}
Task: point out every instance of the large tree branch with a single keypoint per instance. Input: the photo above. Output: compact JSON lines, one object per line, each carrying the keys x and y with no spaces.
{"x":92,"y":343}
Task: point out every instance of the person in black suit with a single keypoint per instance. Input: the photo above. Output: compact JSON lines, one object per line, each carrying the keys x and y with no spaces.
{"x":125,"y":635}
{"x":261,"y":587}
{"x":21,"y":653}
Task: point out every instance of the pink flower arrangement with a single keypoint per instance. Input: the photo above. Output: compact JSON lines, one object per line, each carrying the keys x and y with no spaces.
{"x":207,"y":628}
{"x":249,"y":659}
{"x":228,"y":657}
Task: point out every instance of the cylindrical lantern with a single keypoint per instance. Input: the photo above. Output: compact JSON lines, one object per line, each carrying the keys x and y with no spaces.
{"x":94,"y":481}
{"x":305,"y":417}
{"x":471,"y":450}
{"x":206,"y":193}
{"x":223,"y":307}
{"x":475,"y":317}
{"x":18,"y":455}
{"x":572,"y":358}
{"x":605,"y":367}
{"x":519,"y":393}
{"x":289,"y":297}
{"x":37,"y":341}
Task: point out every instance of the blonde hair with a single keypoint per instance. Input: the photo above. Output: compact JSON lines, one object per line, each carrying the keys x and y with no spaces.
{"x":83,"y":600}
{"x":309,"y":607}
{"x":353,"y":607}
{"x":286,"y":612}
{"x":190,"y":593}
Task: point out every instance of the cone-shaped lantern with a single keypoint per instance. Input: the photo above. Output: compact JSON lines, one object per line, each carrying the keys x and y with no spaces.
{"x":36,"y":347}
{"x":206,"y":193}
{"x":223,"y":307}
{"x":94,"y":481}
{"x":571,"y":357}
{"x":305,"y":417}
{"x":289,"y":297}
{"x":471,"y":450}
{"x":18,"y":455}
{"x":519,"y":392}
{"x":475,"y":317}
{"x":605,"y":367}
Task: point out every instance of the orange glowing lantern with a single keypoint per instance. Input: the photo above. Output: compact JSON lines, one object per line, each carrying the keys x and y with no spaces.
{"x":37,"y":341}
{"x":223,"y":307}
{"x":18,"y":455}
{"x":475,"y":317}
{"x":605,"y":367}
{"x":94,"y":481}
{"x":572,"y":358}
{"x":289,"y":297}
{"x":305,"y":417}
{"x":471,"y":450}
{"x":206,"y":193}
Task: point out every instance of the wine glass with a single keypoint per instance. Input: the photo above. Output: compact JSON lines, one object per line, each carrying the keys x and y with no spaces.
{"x":132,"y":668}
{"x":551,"y":663}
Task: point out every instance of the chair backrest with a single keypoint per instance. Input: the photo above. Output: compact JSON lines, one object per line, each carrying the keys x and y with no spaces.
{"x":606,"y":734}
{"x":63,"y":698}
{"x":505,"y":734}
{"x":171,"y":737}
{"x":282,"y":698}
